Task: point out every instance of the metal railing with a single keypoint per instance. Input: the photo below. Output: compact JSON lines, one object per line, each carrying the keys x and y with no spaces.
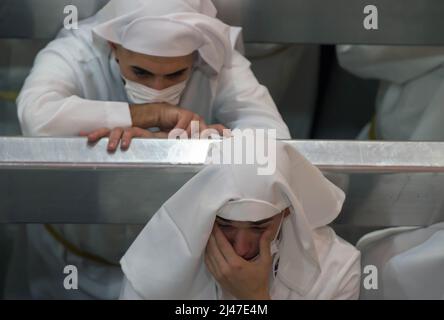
{"x":65,"y":180}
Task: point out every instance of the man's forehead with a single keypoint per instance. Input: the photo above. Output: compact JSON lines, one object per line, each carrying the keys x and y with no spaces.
{"x":157,"y":59}
{"x":254,"y":223}
{"x":160,"y":67}
{"x":283,"y":213}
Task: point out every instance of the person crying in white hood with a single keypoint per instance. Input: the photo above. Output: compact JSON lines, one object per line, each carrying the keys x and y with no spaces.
{"x":230,"y":233}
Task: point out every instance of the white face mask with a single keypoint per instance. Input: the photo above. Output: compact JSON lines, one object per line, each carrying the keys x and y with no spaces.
{"x":139,"y":94}
{"x":274,"y":245}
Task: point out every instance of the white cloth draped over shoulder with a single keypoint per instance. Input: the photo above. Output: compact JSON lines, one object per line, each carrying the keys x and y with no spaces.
{"x":409,"y":104}
{"x":166,"y":260}
{"x":409,"y":261}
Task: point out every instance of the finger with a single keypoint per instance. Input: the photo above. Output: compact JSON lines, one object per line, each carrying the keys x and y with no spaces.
{"x":198,"y":124}
{"x":227,"y":133}
{"x":98,"y":134}
{"x":225,"y":247}
{"x":218,"y":131}
{"x":215,"y":252}
{"x":264,"y":246}
{"x":195,"y":122}
{"x":184,"y":119}
{"x":160,"y":135}
{"x":137,"y":133}
{"x":202,"y":124}
{"x":211,"y":267}
{"x":127,"y":136}
{"x":131,"y":133}
{"x":142,"y":133}
{"x":219,"y":128}
{"x":210,"y":258}
{"x":114,"y":139}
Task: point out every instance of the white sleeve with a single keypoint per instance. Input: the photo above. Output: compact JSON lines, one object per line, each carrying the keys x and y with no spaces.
{"x":350,"y":280}
{"x":51,"y":103}
{"x":128,"y":292}
{"x":241,"y":102}
{"x":391,"y":63}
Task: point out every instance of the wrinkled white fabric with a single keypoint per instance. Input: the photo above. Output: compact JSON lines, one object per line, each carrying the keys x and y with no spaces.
{"x":409,"y":262}
{"x":173,"y":33}
{"x":409,"y":102}
{"x":166,"y":259}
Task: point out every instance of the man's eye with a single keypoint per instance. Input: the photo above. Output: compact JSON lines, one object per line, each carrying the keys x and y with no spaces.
{"x":175,"y":75}
{"x":225,"y":226}
{"x":259,"y":229}
{"x":141,"y":73}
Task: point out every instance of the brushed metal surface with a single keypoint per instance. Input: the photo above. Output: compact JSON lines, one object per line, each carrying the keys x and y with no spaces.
{"x":58,"y":180}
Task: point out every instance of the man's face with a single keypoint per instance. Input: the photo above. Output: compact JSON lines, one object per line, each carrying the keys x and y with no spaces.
{"x":245,"y":236}
{"x":151,"y":71}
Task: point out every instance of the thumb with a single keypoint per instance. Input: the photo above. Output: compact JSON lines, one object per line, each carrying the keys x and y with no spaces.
{"x":265,"y":250}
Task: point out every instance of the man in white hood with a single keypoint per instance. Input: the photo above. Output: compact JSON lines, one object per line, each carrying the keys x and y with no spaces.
{"x":230,"y":233}
{"x":130,"y":66}
{"x":135,"y":65}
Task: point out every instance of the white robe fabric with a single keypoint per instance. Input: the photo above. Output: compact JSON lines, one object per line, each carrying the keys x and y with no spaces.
{"x":409,"y":104}
{"x":410,"y":262}
{"x":76,"y":85}
{"x":166,"y":260}
{"x":173,"y":32}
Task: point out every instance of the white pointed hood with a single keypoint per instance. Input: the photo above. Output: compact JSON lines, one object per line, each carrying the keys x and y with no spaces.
{"x":169,"y":28}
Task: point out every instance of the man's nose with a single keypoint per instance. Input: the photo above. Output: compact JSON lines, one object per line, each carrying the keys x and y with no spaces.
{"x":159,"y":83}
{"x":242,"y":243}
